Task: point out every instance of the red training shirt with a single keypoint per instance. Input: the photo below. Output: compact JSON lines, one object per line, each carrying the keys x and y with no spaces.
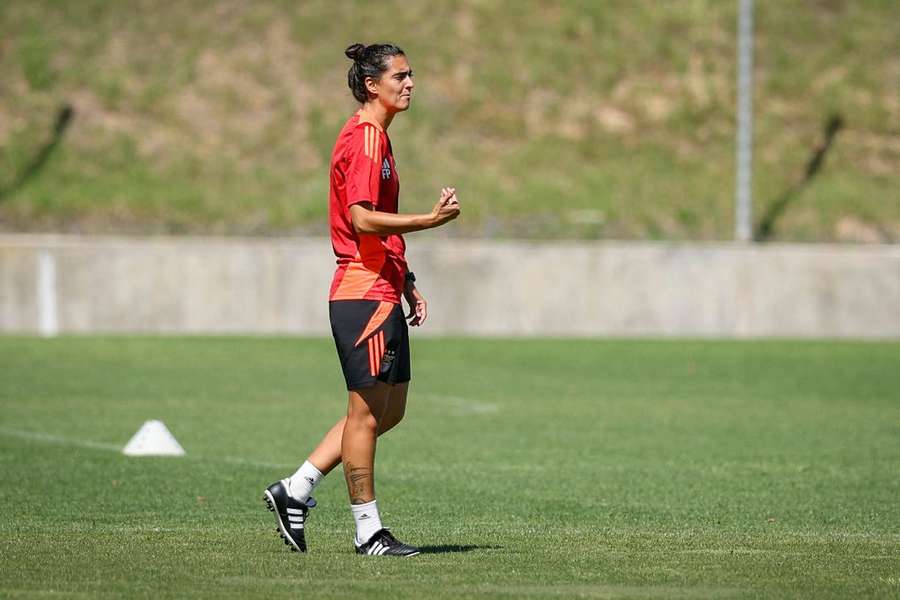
{"x":369,"y":266}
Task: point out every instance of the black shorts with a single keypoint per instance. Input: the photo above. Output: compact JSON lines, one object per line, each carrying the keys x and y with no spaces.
{"x":372,"y":341}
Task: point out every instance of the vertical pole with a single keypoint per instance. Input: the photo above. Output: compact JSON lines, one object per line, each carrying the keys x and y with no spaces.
{"x":743,"y":194}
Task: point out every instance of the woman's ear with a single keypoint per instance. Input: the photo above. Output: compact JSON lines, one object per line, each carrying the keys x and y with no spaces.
{"x":371,"y":86}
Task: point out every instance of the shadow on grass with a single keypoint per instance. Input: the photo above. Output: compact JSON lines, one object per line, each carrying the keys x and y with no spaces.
{"x":449,"y":548}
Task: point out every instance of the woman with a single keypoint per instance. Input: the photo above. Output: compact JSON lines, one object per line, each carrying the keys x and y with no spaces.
{"x":367,"y":319}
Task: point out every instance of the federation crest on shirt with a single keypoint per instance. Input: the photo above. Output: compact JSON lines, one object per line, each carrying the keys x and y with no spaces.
{"x":386,"y":361}
{"x":386,"y":169}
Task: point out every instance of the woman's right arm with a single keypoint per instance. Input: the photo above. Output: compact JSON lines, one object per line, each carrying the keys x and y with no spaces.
{"x":368,"y":220}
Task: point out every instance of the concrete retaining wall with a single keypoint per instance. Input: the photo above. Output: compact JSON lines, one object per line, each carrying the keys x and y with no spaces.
{"x":72,"y":284}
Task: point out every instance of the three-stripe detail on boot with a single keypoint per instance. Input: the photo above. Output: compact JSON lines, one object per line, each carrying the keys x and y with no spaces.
{"x":377,"y":549}
{"x":295,"y":518}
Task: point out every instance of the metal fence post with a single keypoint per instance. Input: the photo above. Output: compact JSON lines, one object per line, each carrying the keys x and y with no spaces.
{"x":743,"y":194}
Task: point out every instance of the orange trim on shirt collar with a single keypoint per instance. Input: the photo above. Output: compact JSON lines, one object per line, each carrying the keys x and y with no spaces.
{"x":365,"y":118}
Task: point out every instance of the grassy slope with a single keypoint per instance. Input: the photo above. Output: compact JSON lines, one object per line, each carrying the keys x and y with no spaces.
{"x":528,"y":469}
{"x":579,"y":119}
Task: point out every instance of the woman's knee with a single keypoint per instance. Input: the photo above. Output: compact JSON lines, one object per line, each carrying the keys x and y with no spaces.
{"x":366,"y":407}
{"x":361,"y":418}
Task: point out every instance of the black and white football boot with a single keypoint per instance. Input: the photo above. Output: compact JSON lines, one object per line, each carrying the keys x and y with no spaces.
{"x":289,"y":513}
{"x":383,"y":543}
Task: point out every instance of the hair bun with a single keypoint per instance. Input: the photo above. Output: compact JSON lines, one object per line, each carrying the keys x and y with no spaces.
{"x":355,"y":52}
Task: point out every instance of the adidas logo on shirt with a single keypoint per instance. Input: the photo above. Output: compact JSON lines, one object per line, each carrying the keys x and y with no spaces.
{"x":386,"y":169}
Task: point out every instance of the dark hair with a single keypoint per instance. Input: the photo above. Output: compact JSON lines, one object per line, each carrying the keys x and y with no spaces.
{"x":368,"y":61}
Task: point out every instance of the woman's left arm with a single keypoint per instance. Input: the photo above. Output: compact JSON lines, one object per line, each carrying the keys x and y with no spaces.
{"x":418,"y":307}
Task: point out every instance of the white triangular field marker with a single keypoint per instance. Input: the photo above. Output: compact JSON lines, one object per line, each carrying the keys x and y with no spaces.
{"x":153,"y":439}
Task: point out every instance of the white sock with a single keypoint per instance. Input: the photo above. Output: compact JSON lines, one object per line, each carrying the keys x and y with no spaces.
{"x":368,"y":521}
{"x":304,"y":481}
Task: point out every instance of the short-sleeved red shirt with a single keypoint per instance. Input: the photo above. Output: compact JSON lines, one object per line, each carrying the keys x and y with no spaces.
{"x":369,"y":266}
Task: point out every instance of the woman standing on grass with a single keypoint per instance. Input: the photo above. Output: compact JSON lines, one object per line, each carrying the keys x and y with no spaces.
{"x":367,"y":319}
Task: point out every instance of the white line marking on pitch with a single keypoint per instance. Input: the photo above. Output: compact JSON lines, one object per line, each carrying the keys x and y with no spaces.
{"x":55,"y":439}
{"x":465,"y":406}
{"x":40,"y":436}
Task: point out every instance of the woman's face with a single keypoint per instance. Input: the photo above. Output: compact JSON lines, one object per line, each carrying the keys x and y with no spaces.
{"x":394,"y":89}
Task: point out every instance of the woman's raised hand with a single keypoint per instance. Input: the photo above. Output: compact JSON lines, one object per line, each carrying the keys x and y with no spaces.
{"x":447,"y":207}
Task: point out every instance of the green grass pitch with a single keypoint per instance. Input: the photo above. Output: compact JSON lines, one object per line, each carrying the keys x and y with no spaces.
{"x":525,"y":468}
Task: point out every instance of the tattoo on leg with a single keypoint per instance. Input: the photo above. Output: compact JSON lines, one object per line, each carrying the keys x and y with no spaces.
{"x":358,"y":480}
